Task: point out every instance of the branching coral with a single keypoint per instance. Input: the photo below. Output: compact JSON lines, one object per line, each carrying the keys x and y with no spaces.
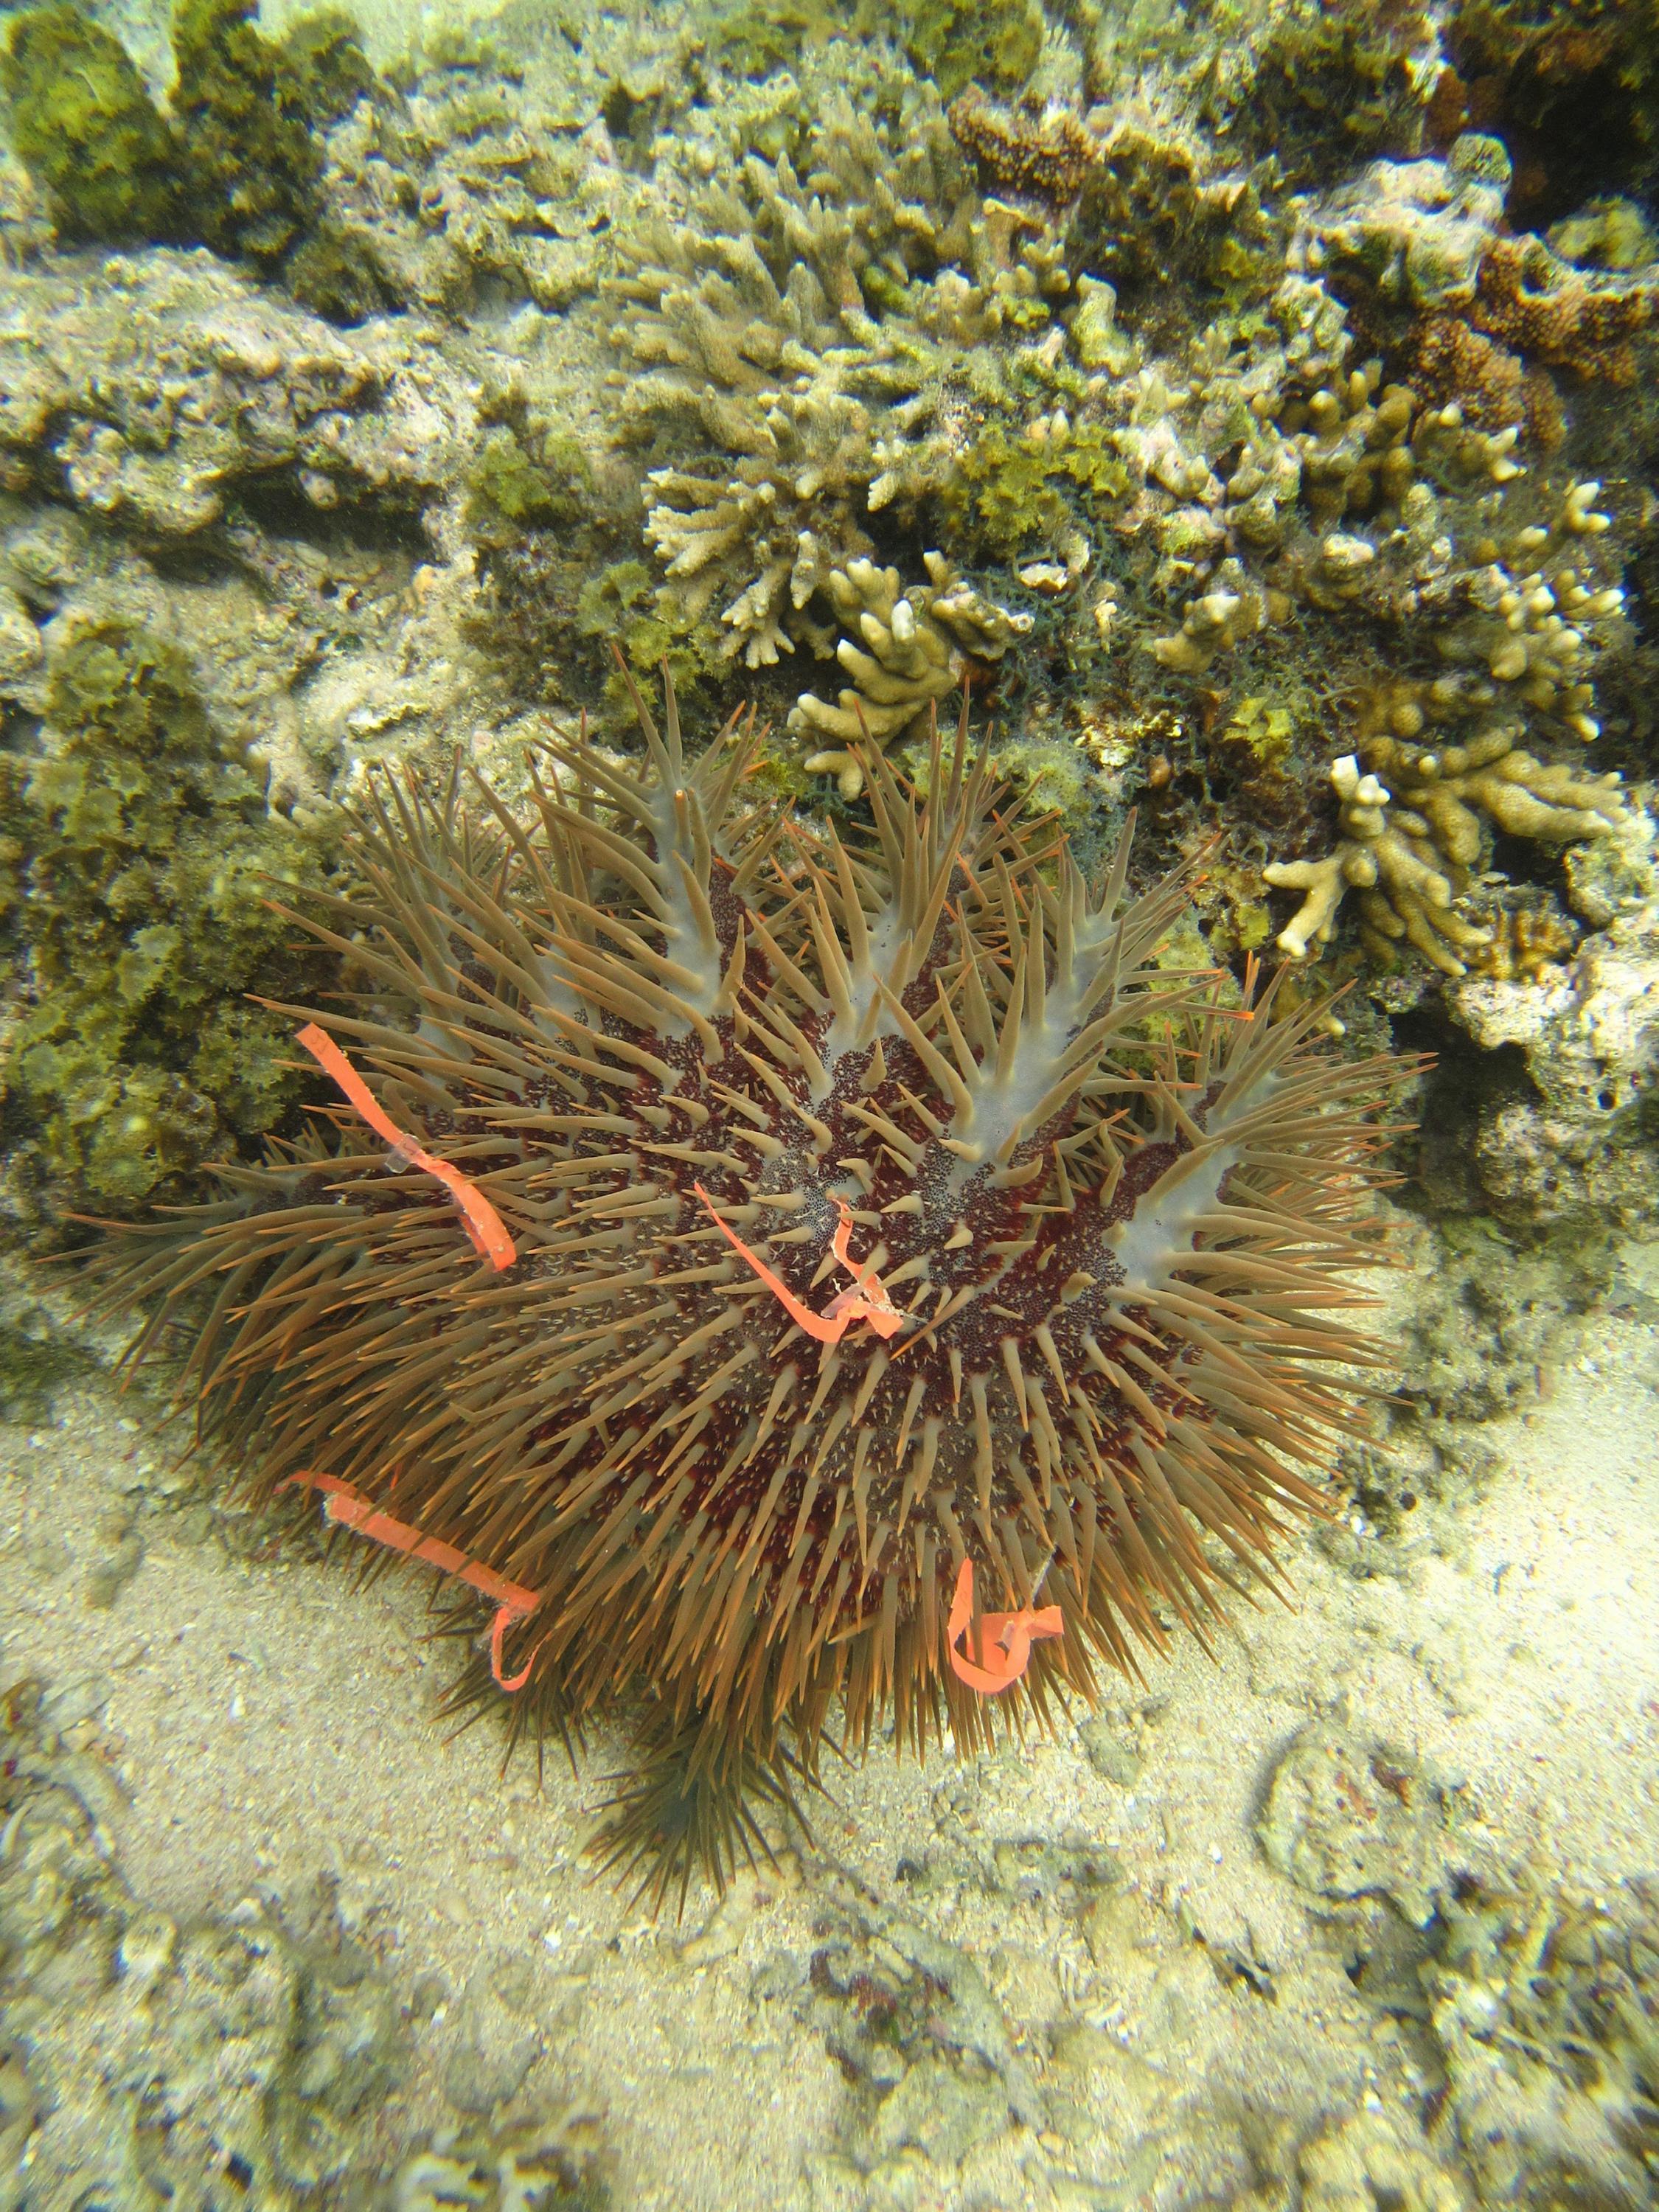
{"x":795,"y":346}
{"x":907,"y":651}
{"x":1408,"y":846}
{"x":1104,"y":1221}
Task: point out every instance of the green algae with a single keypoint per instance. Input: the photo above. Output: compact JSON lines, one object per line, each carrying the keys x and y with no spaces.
{"x":238,"y":166}
{"x":242,"y":109}
{"x":83,"y":124}
{"x":1010,"y":492}
{"x":961,"y":42}
{"x":140,"y":864}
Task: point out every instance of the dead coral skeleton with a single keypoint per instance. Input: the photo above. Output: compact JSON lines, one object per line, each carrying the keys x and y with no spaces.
{"x":904,"y":651}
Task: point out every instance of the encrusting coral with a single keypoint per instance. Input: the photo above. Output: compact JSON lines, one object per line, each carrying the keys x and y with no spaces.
{"x":875,"y":1234}
{"x":905,"y":652}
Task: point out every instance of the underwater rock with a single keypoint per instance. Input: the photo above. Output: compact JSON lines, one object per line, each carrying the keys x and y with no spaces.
{"x":1579,"y":1146}
{"x":1346,"y":1818}
{"x":249,"y":2041}
{"x":171,"y":382}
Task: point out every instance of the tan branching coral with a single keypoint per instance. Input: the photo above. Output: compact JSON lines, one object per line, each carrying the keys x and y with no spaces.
{"x":1275,"y":487}
{"x":1409,"y":845}
{"x":912,"y":649}
{"x":793,"y":343}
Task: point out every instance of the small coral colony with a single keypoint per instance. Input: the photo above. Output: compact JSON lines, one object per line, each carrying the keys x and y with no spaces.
{"x":786,"y":1228}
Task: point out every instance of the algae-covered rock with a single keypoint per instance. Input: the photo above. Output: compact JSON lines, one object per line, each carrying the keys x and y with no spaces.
{"x":243,"y":109}
{"x":238,"y":164}
{"x":81,"y":120}
{"x":144,"y":866}
{"x":959,"y":42}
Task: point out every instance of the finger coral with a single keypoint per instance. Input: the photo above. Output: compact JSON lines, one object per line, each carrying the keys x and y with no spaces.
{"x":1408,"y":846}
{"x":689,"y":1060}
{"x":797,"y":345}
{"x":905,"y":652}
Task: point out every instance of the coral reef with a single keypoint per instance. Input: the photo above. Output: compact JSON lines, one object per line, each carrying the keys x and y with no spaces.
{"x":1408,"y":846}
{"x":907,"y":651}
{"x":955,"y":42}
{"x":472,"y":187}
{"x":778,"y":1058}
{"x":140,"y":865}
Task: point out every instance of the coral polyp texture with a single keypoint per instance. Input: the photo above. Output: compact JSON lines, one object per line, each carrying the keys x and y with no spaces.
{"x":879,"y":1209}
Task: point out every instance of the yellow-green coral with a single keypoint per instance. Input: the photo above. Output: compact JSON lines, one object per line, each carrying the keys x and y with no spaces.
{"x":239,"y":165}
{"x":143,"y":864}
{"x":905,"y":651}
{"x":1014,"y":489}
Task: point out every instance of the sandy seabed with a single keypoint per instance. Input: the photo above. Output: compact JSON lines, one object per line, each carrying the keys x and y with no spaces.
{"x":269,"y":1720}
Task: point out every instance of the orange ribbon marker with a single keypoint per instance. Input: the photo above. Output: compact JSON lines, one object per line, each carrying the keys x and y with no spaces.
{"x":478,"y":1217}
{"x":350,"y":1509}
{"x":867,"y":1300}
{"x":1006,"y":1641}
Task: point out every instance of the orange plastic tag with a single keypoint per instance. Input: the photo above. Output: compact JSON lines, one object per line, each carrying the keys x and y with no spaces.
{"x":478,"y":1217}
{"x":351,"y":1510}
{"x":867,"y":1300}
{"x":1005,"y":1640}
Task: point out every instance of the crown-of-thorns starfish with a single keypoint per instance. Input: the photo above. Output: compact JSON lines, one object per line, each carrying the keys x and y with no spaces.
{"x":690,"y":1059}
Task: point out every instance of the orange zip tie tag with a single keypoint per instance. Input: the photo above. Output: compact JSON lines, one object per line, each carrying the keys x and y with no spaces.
{"x":867,"y":1300}
{"x":478,"y":1217}
{"x":1006,"y":1638}
{"x":350,"y":1509}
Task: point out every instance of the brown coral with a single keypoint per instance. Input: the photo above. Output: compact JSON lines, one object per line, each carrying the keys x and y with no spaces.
{"x":1043,"y":157}
{"x":1575,"y":318}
